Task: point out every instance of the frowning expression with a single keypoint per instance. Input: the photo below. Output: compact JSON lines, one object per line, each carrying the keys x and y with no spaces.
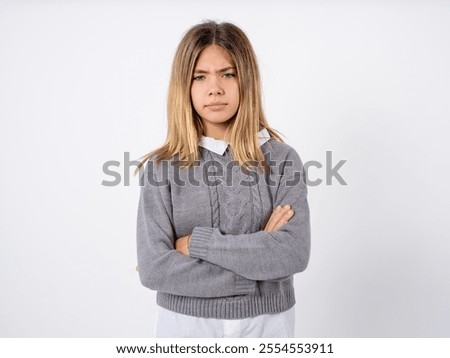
{"x":215,"y":86}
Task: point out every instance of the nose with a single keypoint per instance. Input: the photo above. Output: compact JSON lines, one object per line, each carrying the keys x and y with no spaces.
{"x":214,"y":87}
{"x":217,"y":91}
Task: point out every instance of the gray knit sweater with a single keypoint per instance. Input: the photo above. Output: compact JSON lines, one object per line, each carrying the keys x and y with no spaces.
{"x":235,"y":269}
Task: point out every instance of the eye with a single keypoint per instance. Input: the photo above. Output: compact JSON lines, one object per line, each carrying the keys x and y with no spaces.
{"x":229,"y":75}
{"x":198,"y":78}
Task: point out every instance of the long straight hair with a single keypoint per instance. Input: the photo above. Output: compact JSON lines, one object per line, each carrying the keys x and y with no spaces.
{"x":185,"y":127}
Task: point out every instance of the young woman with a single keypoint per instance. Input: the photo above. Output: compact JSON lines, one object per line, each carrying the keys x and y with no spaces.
{"x":223,"y":217}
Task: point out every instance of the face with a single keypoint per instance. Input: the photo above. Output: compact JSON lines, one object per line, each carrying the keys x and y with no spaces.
{"x":215,"y":90}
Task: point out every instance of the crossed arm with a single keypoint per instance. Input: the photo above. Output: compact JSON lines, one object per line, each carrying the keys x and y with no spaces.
{"x":279,"y":217}
{"x":226,"y":264}
{"x":267,"y":254}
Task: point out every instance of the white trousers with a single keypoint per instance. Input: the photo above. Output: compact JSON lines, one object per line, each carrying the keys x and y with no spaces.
{"x":171,"y":324}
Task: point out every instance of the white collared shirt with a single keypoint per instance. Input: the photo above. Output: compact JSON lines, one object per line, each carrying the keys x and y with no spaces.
{"x":219,"y":146}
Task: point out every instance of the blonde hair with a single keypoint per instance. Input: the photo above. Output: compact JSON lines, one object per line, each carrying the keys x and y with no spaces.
{"x":185,"y":126}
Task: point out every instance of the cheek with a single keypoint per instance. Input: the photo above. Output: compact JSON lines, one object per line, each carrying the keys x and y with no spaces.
{"x":194,"y":98}
{"x":236,"y":96}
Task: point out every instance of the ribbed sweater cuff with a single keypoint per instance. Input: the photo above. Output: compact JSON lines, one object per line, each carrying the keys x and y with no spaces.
{"x":244,"y":286}
{"x":198,"y":247}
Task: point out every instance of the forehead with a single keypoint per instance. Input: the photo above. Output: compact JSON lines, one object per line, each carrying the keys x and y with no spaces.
{"x":212,"y":56}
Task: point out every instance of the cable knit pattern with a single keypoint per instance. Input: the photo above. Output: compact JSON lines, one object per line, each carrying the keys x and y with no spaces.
{"x":213,"y":195}
{"x":257,"y":206}
{"x":236,"y":205}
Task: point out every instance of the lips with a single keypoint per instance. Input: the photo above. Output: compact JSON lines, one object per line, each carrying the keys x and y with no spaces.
{"x":216,"y":104}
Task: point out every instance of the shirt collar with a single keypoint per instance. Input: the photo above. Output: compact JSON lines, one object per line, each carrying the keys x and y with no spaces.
{"x":219,"y":146}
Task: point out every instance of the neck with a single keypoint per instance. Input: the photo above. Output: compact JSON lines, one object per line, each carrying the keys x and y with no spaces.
{"x":216,"y":131}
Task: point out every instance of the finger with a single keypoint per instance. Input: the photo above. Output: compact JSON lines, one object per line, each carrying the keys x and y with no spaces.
{"x":288,"y":215}
{"x":285,"y":218}
{"x":279,"y":217}
{"x":273,"y":219}
{"x":276,"y":217}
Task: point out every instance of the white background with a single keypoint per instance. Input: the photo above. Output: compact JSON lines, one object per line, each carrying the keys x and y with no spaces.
{"x":83,"y":82}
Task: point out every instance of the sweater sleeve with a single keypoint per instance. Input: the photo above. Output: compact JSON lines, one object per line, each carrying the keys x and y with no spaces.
{"x":162,"y":268}
{"x":265,"y":255}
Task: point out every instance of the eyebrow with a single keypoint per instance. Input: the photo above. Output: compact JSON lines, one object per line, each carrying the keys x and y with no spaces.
{"x":219,"y":71}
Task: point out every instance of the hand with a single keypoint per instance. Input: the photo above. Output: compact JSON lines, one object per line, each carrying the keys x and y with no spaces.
{"x":279,"y":217}
{"x":181,"y":245}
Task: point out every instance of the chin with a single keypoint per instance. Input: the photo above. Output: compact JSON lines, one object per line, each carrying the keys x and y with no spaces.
{"x":218,"y":120}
